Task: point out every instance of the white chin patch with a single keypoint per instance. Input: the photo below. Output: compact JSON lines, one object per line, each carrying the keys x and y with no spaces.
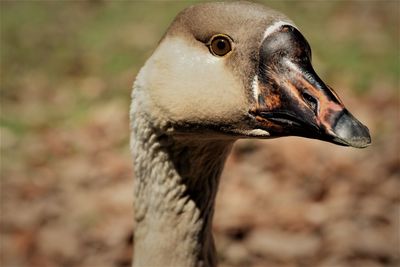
{"x":276,"y":26}
{"x":258,"y":132}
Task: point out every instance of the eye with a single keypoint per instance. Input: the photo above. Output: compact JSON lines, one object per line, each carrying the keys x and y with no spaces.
{"x":220,"y":45}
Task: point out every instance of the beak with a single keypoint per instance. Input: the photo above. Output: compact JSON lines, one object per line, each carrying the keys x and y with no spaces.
{"x":293,"y":100}
{"x":349,"y":131}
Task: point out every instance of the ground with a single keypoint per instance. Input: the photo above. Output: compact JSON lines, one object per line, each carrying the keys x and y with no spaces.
{"x":66,"y":170}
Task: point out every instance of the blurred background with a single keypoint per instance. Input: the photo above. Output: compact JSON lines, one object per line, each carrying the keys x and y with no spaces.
{"x":66,"y":175}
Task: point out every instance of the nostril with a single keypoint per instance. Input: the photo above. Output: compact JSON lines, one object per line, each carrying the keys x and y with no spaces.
{"x":311,"y":102}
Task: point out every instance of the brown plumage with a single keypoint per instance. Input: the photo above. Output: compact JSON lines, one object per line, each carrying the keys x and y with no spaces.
{"x":189,"y":105}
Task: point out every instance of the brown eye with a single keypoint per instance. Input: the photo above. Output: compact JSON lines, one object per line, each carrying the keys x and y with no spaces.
{"x":220,"y":45}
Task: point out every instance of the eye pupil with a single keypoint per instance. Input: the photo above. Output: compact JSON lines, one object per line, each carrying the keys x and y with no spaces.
{"x":220,"y":45}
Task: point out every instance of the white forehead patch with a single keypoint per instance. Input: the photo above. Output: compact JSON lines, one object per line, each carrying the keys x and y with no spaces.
{"x":275,"y":26}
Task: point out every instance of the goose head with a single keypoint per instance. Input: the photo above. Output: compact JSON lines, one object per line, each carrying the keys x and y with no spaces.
{"x":241,"y":70}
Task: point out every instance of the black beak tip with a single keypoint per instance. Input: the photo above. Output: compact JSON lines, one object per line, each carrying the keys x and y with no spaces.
{"x":350,"y":131}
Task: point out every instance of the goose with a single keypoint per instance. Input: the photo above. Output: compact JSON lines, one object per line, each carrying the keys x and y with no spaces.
{"x":221,"y":72}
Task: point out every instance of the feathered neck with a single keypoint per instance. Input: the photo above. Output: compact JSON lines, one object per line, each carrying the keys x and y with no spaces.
{"x":176,"y":181}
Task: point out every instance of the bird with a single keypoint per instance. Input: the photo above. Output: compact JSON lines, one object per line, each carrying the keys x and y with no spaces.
{"x":223,"y":71}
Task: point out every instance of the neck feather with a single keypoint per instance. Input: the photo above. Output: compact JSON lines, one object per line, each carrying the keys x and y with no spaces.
{"x":176,"y":181}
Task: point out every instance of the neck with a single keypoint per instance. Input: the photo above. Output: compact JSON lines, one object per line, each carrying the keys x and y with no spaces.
{"x":176,"y":185}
